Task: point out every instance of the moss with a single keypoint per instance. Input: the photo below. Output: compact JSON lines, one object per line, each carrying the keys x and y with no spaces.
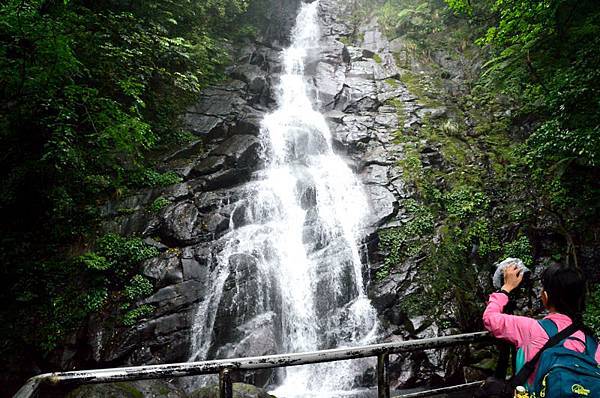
{"x":400,"y":112}
{"x":130,"y":390}
{"x":345,"y":40}
{"x":125,"y":211}
{"x":131,"y":317}
{"x":377,"y":58}
{"x":488,"y":364}
{"x":414,"y":305}
{"x":174,"y":251}
{"x":412,"y":168}
{"x":405,"y":241}
{"x":393,"y":82}
{"x":422,"y":86}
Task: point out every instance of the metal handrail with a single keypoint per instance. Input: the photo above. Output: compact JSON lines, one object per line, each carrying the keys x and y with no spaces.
{"x":224,"y":366}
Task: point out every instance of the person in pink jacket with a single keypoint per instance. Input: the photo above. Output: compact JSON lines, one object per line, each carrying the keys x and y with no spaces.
{"x":563,"y":295}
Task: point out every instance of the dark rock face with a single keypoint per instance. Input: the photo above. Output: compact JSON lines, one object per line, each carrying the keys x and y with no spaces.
{"x":204,"y":207}
{"x":360,"y":102}
{"x":136,"y":389}
{"x":240,"y":390}
{"x":161,"y":389}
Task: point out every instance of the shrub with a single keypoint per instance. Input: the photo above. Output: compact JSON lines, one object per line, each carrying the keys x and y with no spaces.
{"x":133,"y":316}
{"x":138,"y":287}
{"x":591,"y":316}
{"x":159,"y":204}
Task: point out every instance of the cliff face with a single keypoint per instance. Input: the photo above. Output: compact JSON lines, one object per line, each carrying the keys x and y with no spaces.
{"x":360,"y":89}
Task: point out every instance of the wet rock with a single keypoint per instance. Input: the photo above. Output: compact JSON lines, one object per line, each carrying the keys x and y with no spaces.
{"x":214,"y":200}
{"x":179,"y":223}
{"x":226,"y":178}
{"x":165,"y":270}
{"x":241,"y":151}
{"x":329,"y":80}
{"x":256,"y":337}
{"x":189,"y":151}
{"x":386,"y":294}
{"x":248,"y":72}
{"x":375,"y":174}
{"x":209,"y":165}
{"x":192,"y":268}
{"x":176,"y":297}
{"x":250,"y":123}
{"x":245,"y":293}
{"x":383,"y":204}
{"x":158,"y":245}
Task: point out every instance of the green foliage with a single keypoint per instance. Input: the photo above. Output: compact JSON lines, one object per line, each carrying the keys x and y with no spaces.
{"x":520,"y":149}
{"x":460,"y":6}
{"x":159,"y":204}
{"x":62,"y":293}
{"x":545,"y":58}
{"x":464,"y":202}
{"x":409,"y":15}
{"x":95,"y":300}
{"x":147,"y":178}
{"x":133,"y":316}
{"x":405,"y":241}
{"x":122,"y":252}
{"x":591,"y":316}
{"x":88,"y":92}
{"x":520,"y":248}
{"x":95,"y":262}
{"x":138,"y":287}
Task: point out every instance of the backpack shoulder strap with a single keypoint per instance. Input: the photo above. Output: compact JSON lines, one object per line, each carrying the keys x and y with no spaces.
{"x":591,"y":346}
{"x":527,"y":369}
{"x":590,"y":342}
{"x":549,"y":327}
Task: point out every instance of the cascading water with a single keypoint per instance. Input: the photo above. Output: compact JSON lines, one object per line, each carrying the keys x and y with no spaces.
{"x":293,"y":255}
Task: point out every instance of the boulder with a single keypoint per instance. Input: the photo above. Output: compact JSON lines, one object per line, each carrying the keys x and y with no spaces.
{"x":241,"y":151}
{"x":133,"y":389}
{"x":383,"y":204}
{"x":179,"y":223}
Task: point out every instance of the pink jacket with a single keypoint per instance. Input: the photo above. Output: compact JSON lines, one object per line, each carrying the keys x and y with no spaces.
{"x":525,"y":332}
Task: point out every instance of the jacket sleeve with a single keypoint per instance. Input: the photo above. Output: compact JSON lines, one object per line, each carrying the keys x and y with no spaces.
{"x":515,"y":329}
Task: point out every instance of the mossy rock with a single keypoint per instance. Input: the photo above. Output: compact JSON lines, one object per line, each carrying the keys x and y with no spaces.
{"x":137,"y":389}
{"x":240,"y":390}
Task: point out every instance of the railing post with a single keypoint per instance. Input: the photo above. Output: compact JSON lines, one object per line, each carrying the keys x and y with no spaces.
{"x":383,"y":377}
{"x":225,"y":386}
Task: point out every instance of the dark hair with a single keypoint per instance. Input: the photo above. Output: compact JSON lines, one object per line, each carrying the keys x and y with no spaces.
{"x":566,"y":289}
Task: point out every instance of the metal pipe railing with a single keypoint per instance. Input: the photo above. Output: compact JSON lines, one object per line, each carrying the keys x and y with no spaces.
{"x":224,"y":367}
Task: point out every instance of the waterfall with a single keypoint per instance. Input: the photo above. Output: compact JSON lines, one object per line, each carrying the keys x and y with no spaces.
{"x":292,"y":254}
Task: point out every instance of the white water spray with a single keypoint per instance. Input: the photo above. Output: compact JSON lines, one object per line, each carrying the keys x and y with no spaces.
{"x":302,"y":230}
